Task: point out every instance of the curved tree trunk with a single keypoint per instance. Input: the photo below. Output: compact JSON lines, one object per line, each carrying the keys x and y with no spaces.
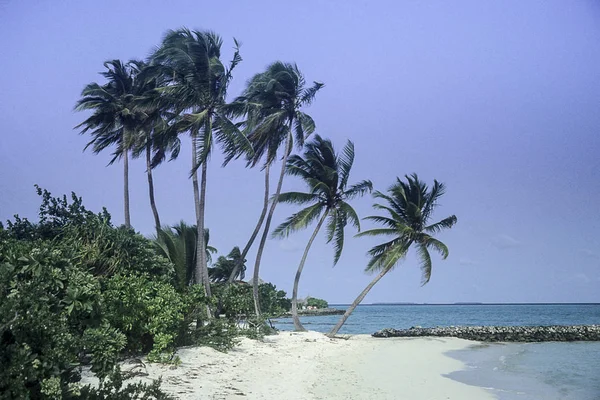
{"x":356,"y":302}
{"x":126,"y":188}
{"x":263,"y":239}
{"x":256,"y":230}
{"x":297,"y":325}
{"x":151,"y":187}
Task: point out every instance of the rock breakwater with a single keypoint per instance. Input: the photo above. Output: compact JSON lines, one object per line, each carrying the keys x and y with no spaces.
{"x":316,"y":312}
{"x":556,"y":333}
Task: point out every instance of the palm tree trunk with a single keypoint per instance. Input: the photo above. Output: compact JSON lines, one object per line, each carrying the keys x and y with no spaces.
{"x":297,"y":325}
{"x":126,"y":188}
{"x":256,"y":230}
{"x":200,"y":246}
{"x":265,"y":234}
{"x":151,"y":187}
{"x":201,"y":241}
{"x":199,"y":236}
{"x":356,"y":302}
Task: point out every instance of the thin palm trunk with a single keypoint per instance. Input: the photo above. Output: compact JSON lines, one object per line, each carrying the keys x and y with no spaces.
{"x":356,"y":302}
{"x":201,"y":240}
{"x":126,"y":188}
{"x":297,"y":325}
{"x":198,"y":270}
{"x":256,"y":230}
{"x":265,"y":234}
{"x":151,"y":187}
{"x":200,"y":245}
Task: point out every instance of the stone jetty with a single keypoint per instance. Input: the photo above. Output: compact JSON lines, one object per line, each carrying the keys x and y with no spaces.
{"x":556,"y":333}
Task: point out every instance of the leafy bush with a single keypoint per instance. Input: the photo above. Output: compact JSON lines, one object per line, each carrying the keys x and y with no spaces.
{"x":318,"y":303}
{"x":236,"y":301}
{"x":75,"y":289}
{"x":112,"y":389}
{"x":40,"y":332}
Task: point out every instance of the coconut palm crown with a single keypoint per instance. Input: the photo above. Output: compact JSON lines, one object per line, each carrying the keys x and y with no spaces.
{"x":326,"y":176}
{"x":114,"y":121}
{"x":409,"y":208}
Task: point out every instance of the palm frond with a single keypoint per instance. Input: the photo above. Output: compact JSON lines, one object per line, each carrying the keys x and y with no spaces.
{"x":424,"y":263}
{"x":438,"y":246}
{"x":385,"y":221}
{"x":446,"y":223}
{"x":359,"y":189}
{"x":349,"y":214}
{"x":345,"y":161}
{"x":298,"y":221}
{"x":378,"y":232}
{"x":297,"y":198}
{"x":338,"y":244}
{"x":308,"y":95}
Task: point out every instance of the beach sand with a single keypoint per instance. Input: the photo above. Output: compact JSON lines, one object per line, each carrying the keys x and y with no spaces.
{"x":311,"y":366}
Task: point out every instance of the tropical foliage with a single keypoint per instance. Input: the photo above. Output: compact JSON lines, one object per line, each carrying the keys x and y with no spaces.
{"x":326,"y":175}
{"x":195,"y":92}
{"x":78,"y":290}
{"x":272,"y":104}
{"x":409,"y":207}
{"x":114,"y":122}
{"x":178,"y":244}
{"x":317,"y":303}
{"x":224,"y":267}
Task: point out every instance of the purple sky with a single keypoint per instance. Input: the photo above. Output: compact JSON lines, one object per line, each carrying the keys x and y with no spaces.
{"x":499,"y":100}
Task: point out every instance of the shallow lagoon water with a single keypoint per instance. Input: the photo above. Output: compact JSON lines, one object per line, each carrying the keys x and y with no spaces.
{"x":522,"y":371}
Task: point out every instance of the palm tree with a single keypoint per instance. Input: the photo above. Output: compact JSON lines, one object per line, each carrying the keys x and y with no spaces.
{"x":114,"y":121}
{"x":242,"y":259}
{"x":273,"y":101}
{"x":409,"y":207}
{"x":326,"y":175}
{"x":223,"y":267}
{"x":178,"y":244}
{"x":196,"y":92}
{"x":151,"y":139}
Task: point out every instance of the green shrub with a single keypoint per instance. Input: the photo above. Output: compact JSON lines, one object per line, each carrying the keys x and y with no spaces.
{"x":39,"y":340}
{"x":112,"y":388}
{"x":318,"y":303}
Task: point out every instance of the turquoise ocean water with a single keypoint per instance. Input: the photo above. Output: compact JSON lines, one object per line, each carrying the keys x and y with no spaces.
{"x":513,"y":371}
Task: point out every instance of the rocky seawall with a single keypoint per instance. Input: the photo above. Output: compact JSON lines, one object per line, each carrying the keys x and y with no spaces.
{"x":317,"y":312}
{"x":502,"y":333}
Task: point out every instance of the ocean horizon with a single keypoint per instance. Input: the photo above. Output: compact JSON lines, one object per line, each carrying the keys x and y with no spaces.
{"x":510,"y":371}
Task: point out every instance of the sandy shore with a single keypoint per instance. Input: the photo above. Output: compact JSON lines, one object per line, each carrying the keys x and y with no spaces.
{"x":311,"y":366}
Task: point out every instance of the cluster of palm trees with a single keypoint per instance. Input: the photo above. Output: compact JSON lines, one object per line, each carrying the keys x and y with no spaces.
{"x":146,"y":107}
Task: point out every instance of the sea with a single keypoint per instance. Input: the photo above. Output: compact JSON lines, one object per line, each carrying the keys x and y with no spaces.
{"x":510,"y":371}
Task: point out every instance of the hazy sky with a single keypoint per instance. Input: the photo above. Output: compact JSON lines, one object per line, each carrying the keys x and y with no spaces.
{"x":499,"y":100}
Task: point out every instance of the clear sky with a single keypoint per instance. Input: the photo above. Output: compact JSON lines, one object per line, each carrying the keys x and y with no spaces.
{"x":499,"y":100}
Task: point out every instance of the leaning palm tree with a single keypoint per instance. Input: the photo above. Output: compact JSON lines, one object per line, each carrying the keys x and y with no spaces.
{"x":409,"y":207}
{"x":273,"y":102}
{"x":151,"y":140}
{"x":113,"y":121}
{"x":326,"y":175}
{"x":178,"y":244}
{"x":196,"y":92}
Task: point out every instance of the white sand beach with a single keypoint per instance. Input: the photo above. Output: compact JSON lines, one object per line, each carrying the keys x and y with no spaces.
{"x":311,"y":366}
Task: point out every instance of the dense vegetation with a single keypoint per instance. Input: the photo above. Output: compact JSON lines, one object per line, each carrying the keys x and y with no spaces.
{"x":77,"y":290}
{"x":317,"y":303}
